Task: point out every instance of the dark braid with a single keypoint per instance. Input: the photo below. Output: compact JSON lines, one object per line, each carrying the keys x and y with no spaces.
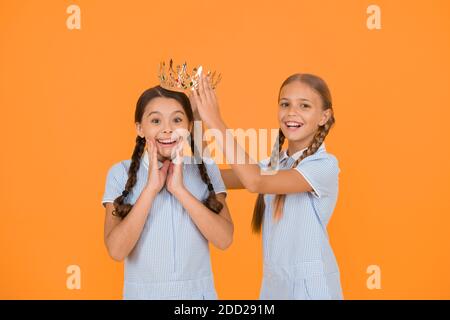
{"x":258,"y":211}
{"x":211,"y":201}
{"x":121,"y":209}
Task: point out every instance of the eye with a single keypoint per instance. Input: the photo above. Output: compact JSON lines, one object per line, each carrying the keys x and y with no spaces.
{"x":284,"y":104}
{"x":177,"y":120}
{"x":303,"y":105}
{"x":155,"y":121}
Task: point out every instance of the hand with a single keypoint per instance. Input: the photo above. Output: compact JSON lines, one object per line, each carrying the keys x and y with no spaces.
{"x":174,"y":181}
{"x":194,"y":107}
{"x":204,"y":101}
{"x":156,"y":176}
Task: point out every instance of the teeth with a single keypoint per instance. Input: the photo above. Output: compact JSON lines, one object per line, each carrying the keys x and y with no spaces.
{"x":166,"y":141}
{"x":293,"y":124}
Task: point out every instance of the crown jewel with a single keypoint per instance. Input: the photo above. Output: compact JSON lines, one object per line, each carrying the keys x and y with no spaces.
{"x":179,"y":79}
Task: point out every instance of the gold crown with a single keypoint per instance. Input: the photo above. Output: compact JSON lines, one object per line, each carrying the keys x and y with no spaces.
{"x":180,"y":80}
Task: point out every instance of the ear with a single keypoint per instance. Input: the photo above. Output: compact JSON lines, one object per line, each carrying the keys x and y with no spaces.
{"x":139,"y":130}
{"x":325,"y":117}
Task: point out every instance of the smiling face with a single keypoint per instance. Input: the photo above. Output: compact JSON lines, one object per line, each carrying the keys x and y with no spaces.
{"x":164,"y":120}
{"x":300,"y":113}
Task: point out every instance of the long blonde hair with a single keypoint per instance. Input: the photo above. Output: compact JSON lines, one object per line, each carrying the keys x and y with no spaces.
{"x":322,"y":89}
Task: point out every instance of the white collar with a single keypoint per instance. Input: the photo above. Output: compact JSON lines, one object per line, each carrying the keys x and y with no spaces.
{"x":146,"y":161}
{"x":297,"y":155}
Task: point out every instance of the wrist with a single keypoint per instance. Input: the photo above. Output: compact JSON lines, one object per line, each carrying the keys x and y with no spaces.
{"x":180,"y":193}
{"x":197,"y":115}
{"x":152,"y":191}
{"x":216,"y":123}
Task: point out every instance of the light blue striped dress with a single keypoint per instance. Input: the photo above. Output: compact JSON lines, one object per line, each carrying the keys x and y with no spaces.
{"x":171,"y":259}
{"x":299,"y":262}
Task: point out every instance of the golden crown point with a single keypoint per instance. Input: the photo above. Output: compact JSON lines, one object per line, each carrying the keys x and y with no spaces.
{"x":180,"y":80}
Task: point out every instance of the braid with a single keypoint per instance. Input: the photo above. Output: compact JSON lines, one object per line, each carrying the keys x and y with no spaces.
{"x":317,"y":141}
{"x":258,"y":211}
{"x":121,"y":209}
{"x":211,"y":201}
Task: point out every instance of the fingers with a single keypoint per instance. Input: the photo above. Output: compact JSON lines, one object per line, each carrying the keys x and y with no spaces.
{"x":149,"y":150}
{"x":180,"y":147}
{"x":152,"y":151}
{"x":196,"y":98}
{"x":155,"y":155}
{"x":203,"y":90}
{"x":192,"y":101}
{"x":178,"y":152}
{"x":211,"y":90}
{"x":178,"y":164}
{"x":169,"y":177}
{"x":208,"y":88}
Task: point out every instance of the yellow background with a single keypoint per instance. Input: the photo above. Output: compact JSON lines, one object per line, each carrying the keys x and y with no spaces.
{"x":67,"y":100}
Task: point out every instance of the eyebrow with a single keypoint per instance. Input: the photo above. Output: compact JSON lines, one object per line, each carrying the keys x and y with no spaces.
{"x":304,"y":99}
{"x":160,"y":112}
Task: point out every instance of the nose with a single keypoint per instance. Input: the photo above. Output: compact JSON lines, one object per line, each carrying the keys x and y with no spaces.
{"x":292,"y":110}
{"x":167,"y":128}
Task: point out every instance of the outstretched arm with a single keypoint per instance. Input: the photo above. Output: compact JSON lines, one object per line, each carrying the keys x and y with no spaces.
{"x":230,"y":179}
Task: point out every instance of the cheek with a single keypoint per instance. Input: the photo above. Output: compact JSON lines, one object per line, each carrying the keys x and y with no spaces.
{"x":281,"y":113}
{"x":314,"y":118}
{"x":150,"y":131}
{"x":182,"y":129}
{"x":182,"y":125}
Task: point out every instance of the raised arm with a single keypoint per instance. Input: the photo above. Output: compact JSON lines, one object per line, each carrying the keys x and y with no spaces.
{"x":248,"y":173}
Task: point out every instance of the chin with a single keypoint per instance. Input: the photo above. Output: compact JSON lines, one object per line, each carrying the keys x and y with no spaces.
{"x":166,"y":154}
{"x":297,"y":135}
{"x":293,"y":136}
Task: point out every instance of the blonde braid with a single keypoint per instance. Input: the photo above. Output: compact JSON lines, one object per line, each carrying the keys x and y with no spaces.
{"x":278,"y":202}
{"x":319,"y":85}
{"x":258,"y":211}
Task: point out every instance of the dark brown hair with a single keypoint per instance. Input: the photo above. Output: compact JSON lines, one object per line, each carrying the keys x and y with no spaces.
{"x":322,"y":89}
{"x":121,"y":209}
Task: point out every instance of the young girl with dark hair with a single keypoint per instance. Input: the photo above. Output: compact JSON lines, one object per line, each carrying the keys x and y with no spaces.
{"x":161,"y":210}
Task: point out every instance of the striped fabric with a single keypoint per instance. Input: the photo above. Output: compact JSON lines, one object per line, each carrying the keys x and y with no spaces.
{"x":299,"y":262}
{"x":171,"y":259}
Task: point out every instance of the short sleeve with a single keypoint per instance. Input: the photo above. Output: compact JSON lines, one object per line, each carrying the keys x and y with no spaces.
{"x":215,"y":176}
{"x":115,"y":183}
{"x":264,"y":163}
{"x":265,"y":168}
{"x":321,"y":172}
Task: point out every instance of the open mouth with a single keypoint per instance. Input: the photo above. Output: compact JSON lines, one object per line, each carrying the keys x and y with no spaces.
{"x":167,"y":142}
{"x":293,"y":124}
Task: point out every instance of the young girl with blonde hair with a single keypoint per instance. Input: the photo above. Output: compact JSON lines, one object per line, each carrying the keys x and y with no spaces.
{"x":294,"y":205}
